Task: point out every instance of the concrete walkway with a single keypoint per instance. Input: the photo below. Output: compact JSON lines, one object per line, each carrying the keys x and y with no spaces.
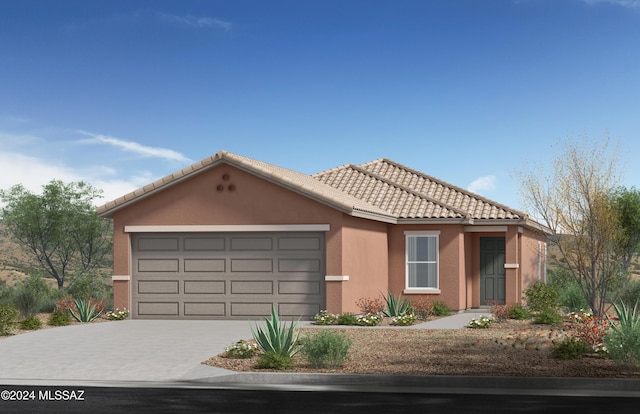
{"x":136,"y":350}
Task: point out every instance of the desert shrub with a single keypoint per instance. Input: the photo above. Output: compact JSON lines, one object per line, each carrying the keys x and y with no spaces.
{"x":589,"y":328}
{"x":422,"y":308}
{"x":483,"y":322}
{"x":623,"y":339}
{"x":326,"y":349}
{"x":31,"y":323}
{"x":571,"y":348}
{"x":117,"y":314}
{"x":630,"y":293}
{"x":274,"y":360}
{"x":547,"y":317}
{"x":278,"y":339}
{"x":6,"y":294}
{"x":8,"y":315}
{"x":543,"y":298}
{"x":572,"y":299}
{"x":373,"y":319}
{"x":325,"y":318}
{"x":88,"y":286}
{"x":396,"y":306}
{"x":404,"y":319}
{"x":59,"y":318}
{"x":500,"y":312}
{"x":241,"y":350}
{"x":28,"y":301}
{"x":347,"y":318}
{"x":518,"y":312}
{"x":371,"y":306}
{"x":439,"y":308}
{"x":86,"y":310}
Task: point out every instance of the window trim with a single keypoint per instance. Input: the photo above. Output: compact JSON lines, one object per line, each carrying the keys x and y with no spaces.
{"x":421,"y":290}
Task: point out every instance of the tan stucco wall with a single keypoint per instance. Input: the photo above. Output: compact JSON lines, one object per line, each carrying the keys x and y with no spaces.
{"x":531,"y":268}
{"x":364,"y":246}
{"x":453,"y":264}
{"x":253,"y":201}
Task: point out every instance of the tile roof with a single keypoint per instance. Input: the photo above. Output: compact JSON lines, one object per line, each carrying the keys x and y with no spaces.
{"x":381,"y":190}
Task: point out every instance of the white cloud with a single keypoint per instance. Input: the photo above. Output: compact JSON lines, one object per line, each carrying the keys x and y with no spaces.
{"x":196,"y":22}
{"x":484,"y":183}
{"x":135,"y":148}
{"x":633,"y":4}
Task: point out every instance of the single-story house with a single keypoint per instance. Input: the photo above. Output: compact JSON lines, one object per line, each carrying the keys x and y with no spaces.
{"x":229,"y":237}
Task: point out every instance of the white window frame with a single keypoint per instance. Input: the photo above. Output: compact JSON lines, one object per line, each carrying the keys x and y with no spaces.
{"x":422,"y":290}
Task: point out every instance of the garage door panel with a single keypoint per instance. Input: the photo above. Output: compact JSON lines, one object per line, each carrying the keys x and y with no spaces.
{"x":298,"y":288}
{"x":204,"y":244}
{"x":158,"y":308}
{"x":299,"y":243}
{"x":158,"y":286}
{"x":297,"y":310}
{"x":251,"y":243}
{"x":204,"y":265}
{"x":158,"y":244}
{"x":252,"y":265}
{"x":251,"y":287}
{"x":299,"y":265}
{"x":200,"y":287}
{"x":204,"y":309}
{"x":250,"y":309}
{"x":158,"y":265}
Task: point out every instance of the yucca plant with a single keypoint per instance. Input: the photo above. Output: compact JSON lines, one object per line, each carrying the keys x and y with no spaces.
{"x":85,"y":310}
{"x":278,"y":338}
{"x":396,"y":306}
{"x":623,"y":340}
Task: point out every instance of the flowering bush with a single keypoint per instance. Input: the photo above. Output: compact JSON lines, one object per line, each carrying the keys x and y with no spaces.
{"x":587,"y":327}
{"x":241,"y":350}
{"x":422,"y":308}
{"x":368,"y":320}
{"x":325,"y":318}
{"x":117,"y":314}
{"x":369,"y":306}
{"x":481,"y":323}
{"x":500,"y":312}
{"x":404,"y":320}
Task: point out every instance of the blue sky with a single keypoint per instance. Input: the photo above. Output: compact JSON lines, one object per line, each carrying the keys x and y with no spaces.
{"x":120,"y":93}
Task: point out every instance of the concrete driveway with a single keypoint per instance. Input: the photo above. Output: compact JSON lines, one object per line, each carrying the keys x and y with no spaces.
{"x":129,"y":350}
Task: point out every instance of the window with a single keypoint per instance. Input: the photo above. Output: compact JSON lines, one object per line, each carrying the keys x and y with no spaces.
{"x":422,"y":260}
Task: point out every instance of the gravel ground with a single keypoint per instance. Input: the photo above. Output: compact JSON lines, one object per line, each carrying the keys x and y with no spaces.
{"x":512,"y":348}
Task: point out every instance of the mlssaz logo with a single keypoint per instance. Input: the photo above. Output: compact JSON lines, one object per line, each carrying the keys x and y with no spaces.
{"x":61,"y":395}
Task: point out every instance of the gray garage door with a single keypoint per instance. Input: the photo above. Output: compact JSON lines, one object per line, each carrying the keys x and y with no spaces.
{"x":227,"y":275}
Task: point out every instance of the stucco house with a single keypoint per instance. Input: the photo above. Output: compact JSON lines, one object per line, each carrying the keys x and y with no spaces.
{"x":230,"y":236}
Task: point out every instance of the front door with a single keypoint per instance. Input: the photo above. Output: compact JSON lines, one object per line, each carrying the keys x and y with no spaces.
{"x":492,"y":274}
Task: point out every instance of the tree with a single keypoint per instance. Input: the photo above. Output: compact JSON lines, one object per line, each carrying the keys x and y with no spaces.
{"x":626,"y":203}
{"x":60,"y":228}
{"x":574,"y":202}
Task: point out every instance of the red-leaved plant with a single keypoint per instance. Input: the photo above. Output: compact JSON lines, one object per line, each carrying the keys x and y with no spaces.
{"x":371,"y":306}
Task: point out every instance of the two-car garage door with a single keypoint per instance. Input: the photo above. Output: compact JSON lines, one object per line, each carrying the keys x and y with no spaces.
{"x":227,"y":275}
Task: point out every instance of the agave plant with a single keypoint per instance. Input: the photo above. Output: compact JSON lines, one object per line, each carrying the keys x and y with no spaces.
{"x":278,"y":338}
{"x":396,"y":306}
{"x":85,"y":310}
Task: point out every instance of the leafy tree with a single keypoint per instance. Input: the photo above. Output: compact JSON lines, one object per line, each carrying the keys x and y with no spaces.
{"x":59,"y":228}
{"x":574,"y":202}
{"x":626,"y":203}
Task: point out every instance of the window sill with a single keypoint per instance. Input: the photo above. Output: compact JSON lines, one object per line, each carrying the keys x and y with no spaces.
{"x":418,"y":291}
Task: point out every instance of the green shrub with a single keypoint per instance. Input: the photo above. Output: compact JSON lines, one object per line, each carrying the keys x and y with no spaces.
{"x":547,"y":317}
{"x":404,"y":320}
{"x":572,"y":299}
{"x":278,"y":339}
{"x":88,"y":286}
{"x":347,"y":318}
{"x":439,"y":308}
{"x":325,"y":318}
{"x":630,"y":293}
{"x":483,"y":322}
{"x":326,"y":349}
{"x":241,"y":350}
{"x":623,"y":340}
{"x":274,"y":360}
{"x":518,"y":312}
{"x":59,"y":318}
{"x":31,"y":324}
{"x":85,"y":310}
{"x":542,"y":297}
{"x":8,"y":315}
{"x":396,"y":306}
{"x":28,"y":301}
{"x":571,"y":348}
{"x":6,"y":295}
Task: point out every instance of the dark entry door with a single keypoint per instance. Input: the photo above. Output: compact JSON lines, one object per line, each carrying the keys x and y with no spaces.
{"x":492,"y":274}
